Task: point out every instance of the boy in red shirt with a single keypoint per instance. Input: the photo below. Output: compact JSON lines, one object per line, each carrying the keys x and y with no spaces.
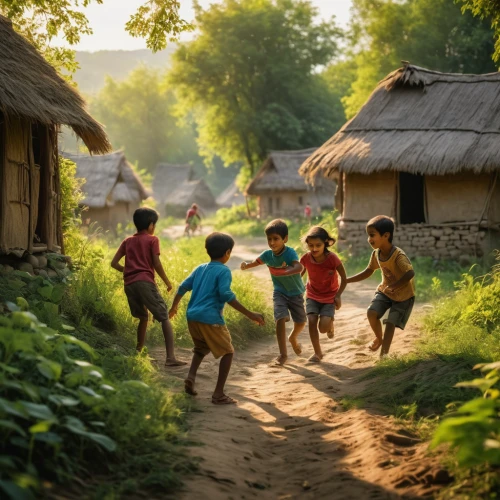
{"x":142,"y":259}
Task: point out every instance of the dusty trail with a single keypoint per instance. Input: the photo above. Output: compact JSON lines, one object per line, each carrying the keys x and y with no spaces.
{"x":289,"y":436}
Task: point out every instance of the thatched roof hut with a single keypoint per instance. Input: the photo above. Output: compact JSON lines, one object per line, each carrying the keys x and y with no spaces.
{"x":230,"y":196}
{"x":113,"y":191}
{"x":175,"y":189}
{"x":424,"y":149}
{"x":282,"y":191}
{"x":34,"y":101}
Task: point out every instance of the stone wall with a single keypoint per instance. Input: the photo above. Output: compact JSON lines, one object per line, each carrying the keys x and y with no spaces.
{"x":45,"y":264}
{"x":438,"y":241}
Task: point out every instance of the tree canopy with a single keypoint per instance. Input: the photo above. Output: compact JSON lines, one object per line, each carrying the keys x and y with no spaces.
{"x":40,"y":21}
{"x":430,"y":33}
{"x":249,"y":77}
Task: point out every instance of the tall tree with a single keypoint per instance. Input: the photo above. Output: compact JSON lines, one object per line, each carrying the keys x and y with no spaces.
{"x":489,"y":10}
{"x":40,"y":21}
{"x":428,"y":33}
{"x":139,"y":117}
{"x":249,"y":77}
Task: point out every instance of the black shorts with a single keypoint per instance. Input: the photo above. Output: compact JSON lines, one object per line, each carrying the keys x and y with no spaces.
{"x":399,"y":312}
{"x":143,"y":296}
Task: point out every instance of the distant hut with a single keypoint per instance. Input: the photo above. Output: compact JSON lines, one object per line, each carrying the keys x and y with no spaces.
{"x":175,"y":189}
{"x":34,"y":101}
{"x":425,"y":150}
{"x":113,"y":191}
{"x":282,"y":192}
{"x":230,"y":196}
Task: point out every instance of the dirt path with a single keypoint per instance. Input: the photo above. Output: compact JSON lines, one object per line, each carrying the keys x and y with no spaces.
{"x":289,"y":436}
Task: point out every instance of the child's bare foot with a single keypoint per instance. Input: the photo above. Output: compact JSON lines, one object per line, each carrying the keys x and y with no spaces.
{"x":189,"y":387}
{"x":315,"y":358}
{"x":280,"y":360}
{"x":223,"y":400}
{"x":297,"y":348}
{"x":174,"y":362}
{"x":375,"y":344}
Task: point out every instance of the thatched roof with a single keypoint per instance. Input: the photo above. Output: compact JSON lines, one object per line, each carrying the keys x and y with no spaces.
{"x":30,"y":87}
{"x":168,"y":178}
{"x":418,"y":121}
{"x":190,"y":192}
{"x":280,"y":172}
{"x":109,"y":179}
{"x":231,"y":196}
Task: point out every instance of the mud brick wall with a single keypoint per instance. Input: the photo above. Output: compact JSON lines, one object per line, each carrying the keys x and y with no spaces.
{"x":419,"y":239}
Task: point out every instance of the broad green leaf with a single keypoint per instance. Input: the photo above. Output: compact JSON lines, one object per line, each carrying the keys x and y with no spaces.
{"x":23,"y":275}
{"x":61,"y":400}
{"x":107,"y":387}
{"x":16,"y":285}
{"x":49,"y":437}
{"x":30,"y":390}
{"x":57,"y":293}
{"x":49,"y":369}
{"x":23,"y":319}
{"x":82,"y":345}
{"x":52,"y":309}
{"x":22,"y":303}
{"x":88,"y":395}
{"x":12,"y":307}
{"x":43,"y":426}
{"x":15,"y":492}
{"x":9,"y":369}
{"x":38,"y":411}
{"x":68,"y":328}
{"x":46,"y":291}
{"x":10,"y":425}
{"x":12,"y":408}
{"x":95,"y":374}
{"x":100,"y":439}
{"x":74,"y":423}
{"x":6,"y":462}
{"x":136,"y":384}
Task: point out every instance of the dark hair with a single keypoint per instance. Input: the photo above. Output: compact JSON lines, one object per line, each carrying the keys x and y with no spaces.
{"x":217,"y":244}
{"x":320,"y":233}
{"x":194,"y":205}
{"x":382,"y":224}
{"x":277,"y":226}
{"x":143,"y":217}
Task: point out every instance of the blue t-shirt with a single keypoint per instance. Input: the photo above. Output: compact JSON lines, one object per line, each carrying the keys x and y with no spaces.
{"x":211,"y":286}
{"x":287,"y":285}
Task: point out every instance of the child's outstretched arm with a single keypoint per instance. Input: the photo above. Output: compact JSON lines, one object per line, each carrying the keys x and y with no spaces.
{"x":175,"y":305}
{"x":249,"y":265}
{"x":115,"y":263}
{"x":294,"y":268}
{"x":184,"y":287}
{"x":161,"y":272}
{"x":252,"y":316}
{"x":360,"y":276}
{"x":343,"y":284}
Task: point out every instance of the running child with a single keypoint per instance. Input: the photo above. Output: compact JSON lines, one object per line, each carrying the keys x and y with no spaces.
{"x":323,"y":292}
{"x":288,"y":295}
{"x":211,"y":286}
{"x":142,"y":259}
{"x":396,"y":293}
{"x":193,"y":220}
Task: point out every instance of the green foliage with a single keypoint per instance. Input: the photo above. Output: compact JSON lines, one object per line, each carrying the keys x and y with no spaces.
{"x":474,"y":428}
{"x":249,"y":77}
{"x":490,"y":10}
{"x":41,"y":21}
{"x":429,"y":33}
{"x":68,"y":410}
{"x":71,"y":193}
{"x":139,"y":116}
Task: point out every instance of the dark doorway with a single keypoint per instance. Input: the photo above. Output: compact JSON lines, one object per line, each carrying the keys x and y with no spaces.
{"x":411,"y":198}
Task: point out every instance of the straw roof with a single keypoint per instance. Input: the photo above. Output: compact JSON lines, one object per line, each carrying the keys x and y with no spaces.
{"x":190,"y":192}
{"x":418,"y":121}
{"x":168,"y":178}
{"x":280,"y":172}
{"x":109,"y":179}
{"x":30,"y":87}
{"x":231,"y":196}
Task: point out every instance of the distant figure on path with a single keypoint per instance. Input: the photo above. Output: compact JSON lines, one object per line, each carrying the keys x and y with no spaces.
{"x":211,"y":286}
{"x":142,"y":259}
{"x":397,"y":290}
{"x":308,"y":212}
{"x":193,"y":220}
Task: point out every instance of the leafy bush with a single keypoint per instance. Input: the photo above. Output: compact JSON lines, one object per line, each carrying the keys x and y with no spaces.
{"x":71,"y":193}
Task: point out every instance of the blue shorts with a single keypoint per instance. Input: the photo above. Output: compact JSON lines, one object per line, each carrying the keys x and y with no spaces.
{"x":285,"y":306}
{"x":320,"y":309}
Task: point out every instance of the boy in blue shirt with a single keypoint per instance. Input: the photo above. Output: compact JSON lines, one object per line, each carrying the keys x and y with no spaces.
{"x":288,"y":295}
{"x":211,"y":286}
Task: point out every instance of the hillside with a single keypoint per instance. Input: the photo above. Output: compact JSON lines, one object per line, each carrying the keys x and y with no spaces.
{"x":94,"y":66}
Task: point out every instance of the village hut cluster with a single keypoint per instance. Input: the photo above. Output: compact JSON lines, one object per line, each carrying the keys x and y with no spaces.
{"x":113,"y":191}
{"x":423,"y":150}
{"x":175,"y":188}
{"x":282,"y":192}
{"x":34,"y":102}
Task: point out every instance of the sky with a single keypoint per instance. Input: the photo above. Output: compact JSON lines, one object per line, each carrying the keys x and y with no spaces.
{"x":108,"y":22}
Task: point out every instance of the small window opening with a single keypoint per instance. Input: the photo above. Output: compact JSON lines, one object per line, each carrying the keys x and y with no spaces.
{"x":411,"y":198}
{"x":301,"y":201}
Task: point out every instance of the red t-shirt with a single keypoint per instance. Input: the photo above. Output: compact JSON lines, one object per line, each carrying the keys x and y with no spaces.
{"x":190,"y":213}
{"x":323,"y":283}
{"x":307,"y":211}
{"x":138,"y":251}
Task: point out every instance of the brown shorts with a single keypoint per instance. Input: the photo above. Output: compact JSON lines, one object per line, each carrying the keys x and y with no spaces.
{"x":210,"y":338}
{"x":143,"y":296}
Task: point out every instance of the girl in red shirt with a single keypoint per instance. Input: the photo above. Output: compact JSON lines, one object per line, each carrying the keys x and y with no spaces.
{"x":323,"y":291}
